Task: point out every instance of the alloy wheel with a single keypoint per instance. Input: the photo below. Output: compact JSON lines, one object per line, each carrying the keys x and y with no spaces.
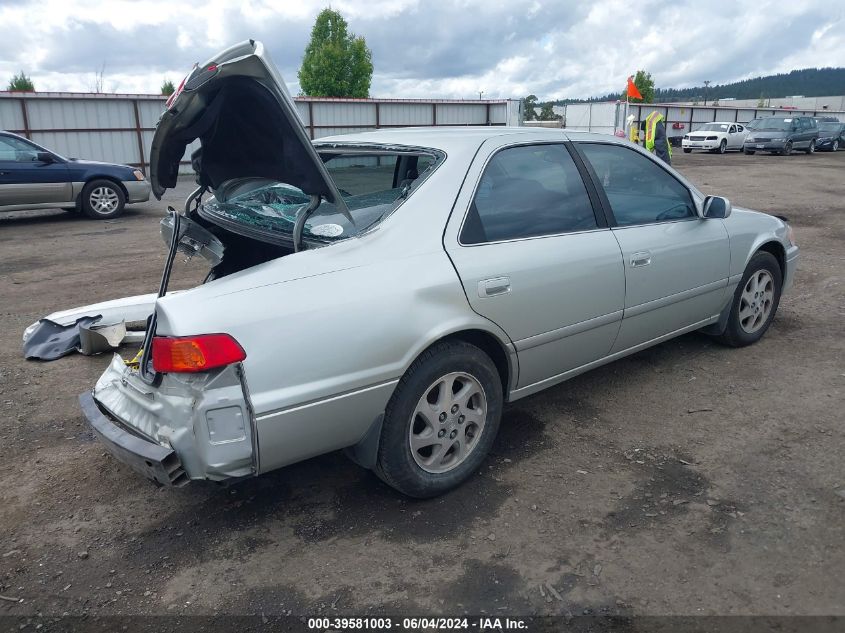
{"x":104,"y":200}
{"x":755,"y":304}
{"x":447,"y":422}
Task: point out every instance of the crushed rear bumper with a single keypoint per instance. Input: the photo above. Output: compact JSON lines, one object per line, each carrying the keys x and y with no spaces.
{"x":152,"y":460}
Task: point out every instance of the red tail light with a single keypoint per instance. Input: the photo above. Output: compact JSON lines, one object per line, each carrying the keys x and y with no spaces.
{"x":195,"y":353}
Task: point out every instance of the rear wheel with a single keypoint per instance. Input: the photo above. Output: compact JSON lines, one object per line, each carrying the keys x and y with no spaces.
{"x":755,"y":301}
{"x":102,"y":200}
{"x":812,"y":147}
{"x":441,"y":421}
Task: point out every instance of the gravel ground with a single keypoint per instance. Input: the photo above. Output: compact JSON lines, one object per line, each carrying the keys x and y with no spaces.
{"x":686,"y":479}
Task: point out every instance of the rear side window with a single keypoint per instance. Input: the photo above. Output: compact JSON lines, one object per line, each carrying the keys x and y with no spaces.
{"x":639,"y":190}
{"x":528,"y":191}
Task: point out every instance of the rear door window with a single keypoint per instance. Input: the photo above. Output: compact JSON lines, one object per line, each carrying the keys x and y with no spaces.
{"x":638,"y":189}
{"x":528,"y":191}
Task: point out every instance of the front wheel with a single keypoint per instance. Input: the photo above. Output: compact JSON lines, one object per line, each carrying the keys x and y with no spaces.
{"x":687,"y":150}
{"x":723,"y":146}
{"x":755,"y":301}
{"x":835,"y":147}
{"x":787,"y":149}
{"x":748,"y":152}
{"x":102,"y":200}
{"x":441,"y":421}
{"x":812,"y":147}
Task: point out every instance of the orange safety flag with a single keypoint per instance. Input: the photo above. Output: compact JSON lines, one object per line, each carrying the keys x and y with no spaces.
{"x":633,"y":93}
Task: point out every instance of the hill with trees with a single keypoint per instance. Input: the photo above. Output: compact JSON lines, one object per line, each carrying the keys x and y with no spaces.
{"x":808,"y":82}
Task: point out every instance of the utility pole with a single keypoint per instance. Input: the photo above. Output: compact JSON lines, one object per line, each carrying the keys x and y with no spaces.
{"x":706,"y":85}
{"x":480,"y":92}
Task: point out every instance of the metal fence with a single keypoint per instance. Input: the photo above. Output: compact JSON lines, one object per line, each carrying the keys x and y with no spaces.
{"x":609,"y":117}
{"x":119,"y":128}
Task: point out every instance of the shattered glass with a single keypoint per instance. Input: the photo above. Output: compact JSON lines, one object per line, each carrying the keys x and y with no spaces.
{"x":274,"y":209}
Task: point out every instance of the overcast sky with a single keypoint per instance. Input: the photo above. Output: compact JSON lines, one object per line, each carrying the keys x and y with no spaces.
{"x":450,"y":49}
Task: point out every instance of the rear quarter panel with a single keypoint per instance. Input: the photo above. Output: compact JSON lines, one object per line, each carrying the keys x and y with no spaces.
{"x":325,"y":352}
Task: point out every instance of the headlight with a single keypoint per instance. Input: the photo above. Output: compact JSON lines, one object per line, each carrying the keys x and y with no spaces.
{"x":777,"y":140}
{"x":790,"y":234}
{"x":139,"y":175}
{"x":686,"y":137}
{"x":824,"y":138}
{"x":711,"y":138}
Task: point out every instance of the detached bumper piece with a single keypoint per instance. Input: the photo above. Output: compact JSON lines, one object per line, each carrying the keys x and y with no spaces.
{"x":152,"y":460}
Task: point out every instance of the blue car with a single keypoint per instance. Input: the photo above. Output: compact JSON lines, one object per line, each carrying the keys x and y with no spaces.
{"x":33,"y":177}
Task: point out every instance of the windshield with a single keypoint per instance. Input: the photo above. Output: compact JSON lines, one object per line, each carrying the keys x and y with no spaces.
{"x":774,"y":123}
{"x":714,"y":127}
{"x":753,"y":124}
{"x":372,"y":185}
{"x":828,"y":126}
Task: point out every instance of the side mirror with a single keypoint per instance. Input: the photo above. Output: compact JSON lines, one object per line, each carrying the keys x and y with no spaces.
{"x":717,"y":207}
{"x":45,"y":157}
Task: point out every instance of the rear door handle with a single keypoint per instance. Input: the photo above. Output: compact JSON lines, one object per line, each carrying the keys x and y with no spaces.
{"x":494,"y":286}
{"x":643,"y":258}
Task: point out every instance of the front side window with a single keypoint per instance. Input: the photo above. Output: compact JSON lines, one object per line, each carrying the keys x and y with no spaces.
{"x":639,"y":190}
{"x":528,"y":191}
{"x":16,"y":150}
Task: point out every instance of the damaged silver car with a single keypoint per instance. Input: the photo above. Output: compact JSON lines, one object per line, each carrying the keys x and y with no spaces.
{"x":388,"y":292}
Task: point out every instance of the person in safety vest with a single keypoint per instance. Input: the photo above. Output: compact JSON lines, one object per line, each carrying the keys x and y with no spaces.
{"x":633,"y":132}
{"x":656,"y":140}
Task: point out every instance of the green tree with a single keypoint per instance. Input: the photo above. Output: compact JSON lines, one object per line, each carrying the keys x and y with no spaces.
{"x":167,"y":88}
{"x":21,"y":83}
{"x":336,"y":63}
{"x":528,"y":105}
{"x":645,"y":84}
{"x":547,"y":113}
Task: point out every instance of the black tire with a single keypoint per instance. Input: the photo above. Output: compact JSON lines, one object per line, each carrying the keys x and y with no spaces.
{"x":811,"y":148}
{"x":687,"y":151}
{"x":396,"y":465}
{"x":734,"y":334}
{"x":723,"y":146}
{"x":103,"y":190}
{"x":787,"y":149}
{"x":748,"y":152}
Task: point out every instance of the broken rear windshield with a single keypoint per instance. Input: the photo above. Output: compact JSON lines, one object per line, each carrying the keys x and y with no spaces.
{"x":371,"y":184}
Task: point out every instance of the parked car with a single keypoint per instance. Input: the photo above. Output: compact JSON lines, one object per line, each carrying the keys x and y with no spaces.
{"x":33,"y":177}
{"x":826,"y":119}
{"x":831,"y":136}
{"x":388,"y":292}
{"x":782,"y":134}
{"x":715,"y":137}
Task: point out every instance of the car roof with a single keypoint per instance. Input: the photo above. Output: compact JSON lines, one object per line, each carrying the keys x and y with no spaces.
{"x":447,"y":136}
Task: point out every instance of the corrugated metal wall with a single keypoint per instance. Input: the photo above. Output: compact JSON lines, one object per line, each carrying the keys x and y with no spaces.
{"x":119,"y":128}
{"x":609,"y":117}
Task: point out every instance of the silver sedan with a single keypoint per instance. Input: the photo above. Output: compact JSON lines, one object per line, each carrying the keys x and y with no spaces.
{"x":388,"y":292}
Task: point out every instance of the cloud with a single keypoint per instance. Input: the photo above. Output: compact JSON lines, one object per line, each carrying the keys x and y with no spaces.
{"x":429,"y":49}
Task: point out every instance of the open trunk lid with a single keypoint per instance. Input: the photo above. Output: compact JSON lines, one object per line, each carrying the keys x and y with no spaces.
{"x":239,"y":108}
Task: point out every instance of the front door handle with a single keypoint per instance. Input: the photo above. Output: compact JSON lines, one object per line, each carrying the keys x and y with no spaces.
{"x":643,"y":258}
{"x":493,"y":287}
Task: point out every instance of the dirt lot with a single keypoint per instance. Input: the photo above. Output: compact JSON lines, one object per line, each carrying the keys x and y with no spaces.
{"x":686,"y":479}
